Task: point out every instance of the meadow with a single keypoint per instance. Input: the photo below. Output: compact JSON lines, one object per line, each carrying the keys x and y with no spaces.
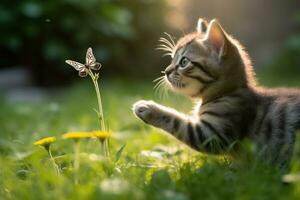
{"x":144,"y":163}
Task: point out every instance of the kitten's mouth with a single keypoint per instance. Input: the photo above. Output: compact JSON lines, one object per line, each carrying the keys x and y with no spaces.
{"x":176,"y":84}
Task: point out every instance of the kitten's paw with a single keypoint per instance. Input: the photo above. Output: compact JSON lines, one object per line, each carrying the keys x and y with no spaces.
{"x":145,"y":110}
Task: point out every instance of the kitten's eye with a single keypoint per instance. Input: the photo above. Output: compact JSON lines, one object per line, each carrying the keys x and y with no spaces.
{"x":184,"y":62}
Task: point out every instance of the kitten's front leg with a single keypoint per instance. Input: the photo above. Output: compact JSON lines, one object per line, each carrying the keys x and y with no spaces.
{"x":161,"y":117}
{"x":201,"y":135}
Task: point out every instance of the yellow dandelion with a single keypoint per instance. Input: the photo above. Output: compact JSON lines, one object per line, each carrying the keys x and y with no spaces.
{"x":101,"y":134}
{"x":76,"y":135}
{"x":45,"y":141}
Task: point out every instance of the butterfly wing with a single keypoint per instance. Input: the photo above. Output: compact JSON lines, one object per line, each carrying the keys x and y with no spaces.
{"x":90,"y":58}
{"x":78,"y":66}
{"x":95,"y":66}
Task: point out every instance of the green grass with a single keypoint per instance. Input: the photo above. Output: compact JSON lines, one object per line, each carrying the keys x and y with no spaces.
{"x":153,"y":165}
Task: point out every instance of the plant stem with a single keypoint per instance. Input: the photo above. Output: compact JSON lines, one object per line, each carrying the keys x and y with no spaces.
{"x":102,"y":147}
{"x":76,"y":160}
{"x":104,"y":143}
{"x":100,"y":109}
{"x":52,"y":160}
{"x":106,"y":147}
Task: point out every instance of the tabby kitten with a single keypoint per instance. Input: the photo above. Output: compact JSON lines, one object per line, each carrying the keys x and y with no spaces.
{"x":214,"y":69}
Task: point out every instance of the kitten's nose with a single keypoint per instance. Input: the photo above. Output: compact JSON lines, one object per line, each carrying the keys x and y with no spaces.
{"x":168,"y":71}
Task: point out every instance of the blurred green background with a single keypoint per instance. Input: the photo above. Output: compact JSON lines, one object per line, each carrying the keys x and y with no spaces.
{"x":39,"y":35}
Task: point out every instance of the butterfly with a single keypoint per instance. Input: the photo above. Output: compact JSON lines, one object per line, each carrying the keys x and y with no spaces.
{"x":90,"y":63}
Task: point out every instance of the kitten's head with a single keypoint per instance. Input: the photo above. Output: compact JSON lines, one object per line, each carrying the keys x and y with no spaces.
{"x":207,"y":63}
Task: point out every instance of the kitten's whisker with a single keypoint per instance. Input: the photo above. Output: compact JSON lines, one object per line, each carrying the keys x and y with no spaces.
{"x":171,"y":38}
{"x":161,"y":90}
{"x":167,"y":54}
{"x":164,"y":42}
{"x":164,"y":90}
{"x":157,"y":79}
{"x":167,"y":42}
{"x":164,"y":48}
{"x":158,"y":84}
{"x":156,"y":92}
{"x":158,"y":89}
{"x":164,"y":45}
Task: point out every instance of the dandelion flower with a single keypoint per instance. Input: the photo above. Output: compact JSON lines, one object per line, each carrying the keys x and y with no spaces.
{"x":45,"y":141}
{"x":103,"y":137}
{"x":101,"y":134}
{"x":76,"y":135}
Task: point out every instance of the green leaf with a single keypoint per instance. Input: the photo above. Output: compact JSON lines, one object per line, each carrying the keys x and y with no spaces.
{"x":119,"y":152}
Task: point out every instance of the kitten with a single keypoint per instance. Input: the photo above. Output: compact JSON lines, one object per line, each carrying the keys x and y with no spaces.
{"x":214,"y":69}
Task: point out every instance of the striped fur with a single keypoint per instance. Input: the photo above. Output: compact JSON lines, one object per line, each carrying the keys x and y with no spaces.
{"x":213,"y":67}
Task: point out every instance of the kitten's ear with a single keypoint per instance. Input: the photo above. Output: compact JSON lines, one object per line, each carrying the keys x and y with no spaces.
{"x":201,"y":25}
{"x":217,"y":37}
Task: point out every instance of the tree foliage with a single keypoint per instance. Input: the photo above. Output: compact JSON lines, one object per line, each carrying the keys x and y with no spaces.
{"x":40,"y":35}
